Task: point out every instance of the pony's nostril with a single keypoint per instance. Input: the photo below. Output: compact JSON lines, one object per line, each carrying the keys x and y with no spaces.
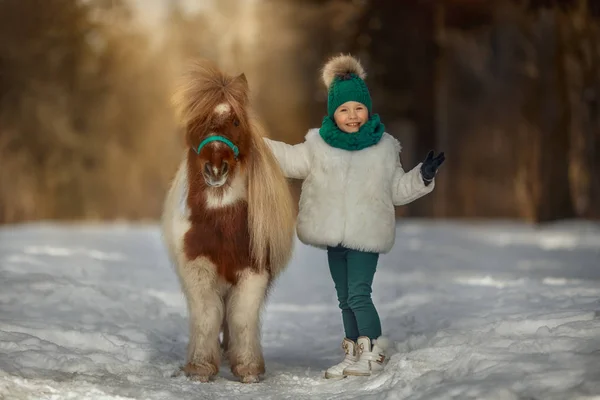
{"x":208,"y":168}
{"x":216,"y":170}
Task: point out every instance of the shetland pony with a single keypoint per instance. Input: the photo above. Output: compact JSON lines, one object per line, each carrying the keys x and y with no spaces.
{"x":228,"y":223}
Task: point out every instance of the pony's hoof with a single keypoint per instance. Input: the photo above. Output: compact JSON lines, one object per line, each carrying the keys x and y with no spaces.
{"x":200,"y":373}
{"x":250,"y":379}
{"x":200,"y":378}
{"x":248,"y":373}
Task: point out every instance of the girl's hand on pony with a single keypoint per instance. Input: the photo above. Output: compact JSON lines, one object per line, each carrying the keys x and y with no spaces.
{"x":430,"y":166}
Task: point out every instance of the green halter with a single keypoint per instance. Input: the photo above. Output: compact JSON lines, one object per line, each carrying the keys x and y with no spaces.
{"x":218,"y":138}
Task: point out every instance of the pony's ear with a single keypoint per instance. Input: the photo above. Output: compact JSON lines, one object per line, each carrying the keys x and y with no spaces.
{"x":241,"y":88}
{"x":241,"y":78}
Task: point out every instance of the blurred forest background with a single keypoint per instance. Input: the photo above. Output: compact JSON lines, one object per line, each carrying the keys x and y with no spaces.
{"x":508,"y":89}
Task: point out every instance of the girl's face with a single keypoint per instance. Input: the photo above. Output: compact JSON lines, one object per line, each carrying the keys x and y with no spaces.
{"x":350,"y":116}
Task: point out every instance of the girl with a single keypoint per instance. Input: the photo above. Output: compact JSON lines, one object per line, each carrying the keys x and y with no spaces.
{"x":352,"y":181}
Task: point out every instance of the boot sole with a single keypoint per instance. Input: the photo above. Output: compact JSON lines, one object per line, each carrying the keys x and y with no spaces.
{"x":352,"y":373}
{"x":334,"y":377}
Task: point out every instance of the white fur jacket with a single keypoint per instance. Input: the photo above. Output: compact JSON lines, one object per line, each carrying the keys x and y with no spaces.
{"x":348,"y":197}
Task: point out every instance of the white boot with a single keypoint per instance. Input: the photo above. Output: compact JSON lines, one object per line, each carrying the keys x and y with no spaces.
{"x":337,"y":371}
{"x":370,"y":359}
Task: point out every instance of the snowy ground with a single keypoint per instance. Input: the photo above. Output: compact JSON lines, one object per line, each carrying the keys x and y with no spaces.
{"x":477,"y":311}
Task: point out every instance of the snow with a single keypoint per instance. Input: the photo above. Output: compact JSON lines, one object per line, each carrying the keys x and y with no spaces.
{"x":477,"y":310}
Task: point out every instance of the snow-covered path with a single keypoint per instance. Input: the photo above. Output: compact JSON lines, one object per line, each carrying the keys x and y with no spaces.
{"x":477,"y":311}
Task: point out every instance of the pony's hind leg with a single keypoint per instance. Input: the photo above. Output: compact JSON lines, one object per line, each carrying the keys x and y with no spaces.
{"x":205,"y":305}
{"x":244,"y":305}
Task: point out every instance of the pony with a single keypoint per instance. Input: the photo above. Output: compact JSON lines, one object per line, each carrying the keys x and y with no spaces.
{"x":228,"y":222}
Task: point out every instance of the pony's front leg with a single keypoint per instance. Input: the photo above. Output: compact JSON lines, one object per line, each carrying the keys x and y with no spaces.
{"x":205,"y":305}
{"x":244,"y":305}
{"x":225,"y":332}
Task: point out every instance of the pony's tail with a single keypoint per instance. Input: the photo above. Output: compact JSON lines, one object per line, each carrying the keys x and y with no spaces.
{"x":271,"y":208}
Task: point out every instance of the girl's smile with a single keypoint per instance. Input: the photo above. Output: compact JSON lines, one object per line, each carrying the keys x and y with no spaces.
{"x":350,"y":116}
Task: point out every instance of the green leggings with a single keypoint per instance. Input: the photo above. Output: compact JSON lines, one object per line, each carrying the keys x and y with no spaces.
{"x":352,"y":272}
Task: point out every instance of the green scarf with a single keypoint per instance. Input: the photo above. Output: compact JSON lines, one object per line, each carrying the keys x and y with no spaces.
{"x":368,"y":134}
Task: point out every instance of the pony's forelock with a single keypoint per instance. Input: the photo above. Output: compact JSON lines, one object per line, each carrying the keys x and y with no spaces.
{"x":201,"y":89}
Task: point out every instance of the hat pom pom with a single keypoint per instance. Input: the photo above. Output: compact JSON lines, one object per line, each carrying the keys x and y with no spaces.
{"x":342,"y":65}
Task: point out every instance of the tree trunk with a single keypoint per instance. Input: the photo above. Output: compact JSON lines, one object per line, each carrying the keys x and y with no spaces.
{"x":581,"y":37}
{"x":544,"y":149}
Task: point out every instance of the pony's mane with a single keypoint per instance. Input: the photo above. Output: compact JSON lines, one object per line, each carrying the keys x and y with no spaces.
{"x":204,"y":86}
{"x":271,"y":208}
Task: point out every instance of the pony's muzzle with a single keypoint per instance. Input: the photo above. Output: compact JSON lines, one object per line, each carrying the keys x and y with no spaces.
{"x":215,"y":175}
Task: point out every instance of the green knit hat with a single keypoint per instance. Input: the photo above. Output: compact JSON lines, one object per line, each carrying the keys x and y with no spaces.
{"x":344,"y":76}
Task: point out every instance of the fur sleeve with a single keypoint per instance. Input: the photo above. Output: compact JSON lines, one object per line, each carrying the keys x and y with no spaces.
{"x":293,"y":160}
{"x":408,"y":186}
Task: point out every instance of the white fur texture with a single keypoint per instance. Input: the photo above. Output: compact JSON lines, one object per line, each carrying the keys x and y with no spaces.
{"x":230,"y":195}
{"x":293,"y":160}
{"x":244,"y":305}
{"x":174,"y":220}
{"x":206,"y":309}
{"x":222,"y":108}
{"x":341,"y":65}
{"x":348,"y":197}
{"x":383,"y":342}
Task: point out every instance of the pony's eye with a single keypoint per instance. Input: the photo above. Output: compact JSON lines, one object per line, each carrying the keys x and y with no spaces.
{"x":236,"y":122}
